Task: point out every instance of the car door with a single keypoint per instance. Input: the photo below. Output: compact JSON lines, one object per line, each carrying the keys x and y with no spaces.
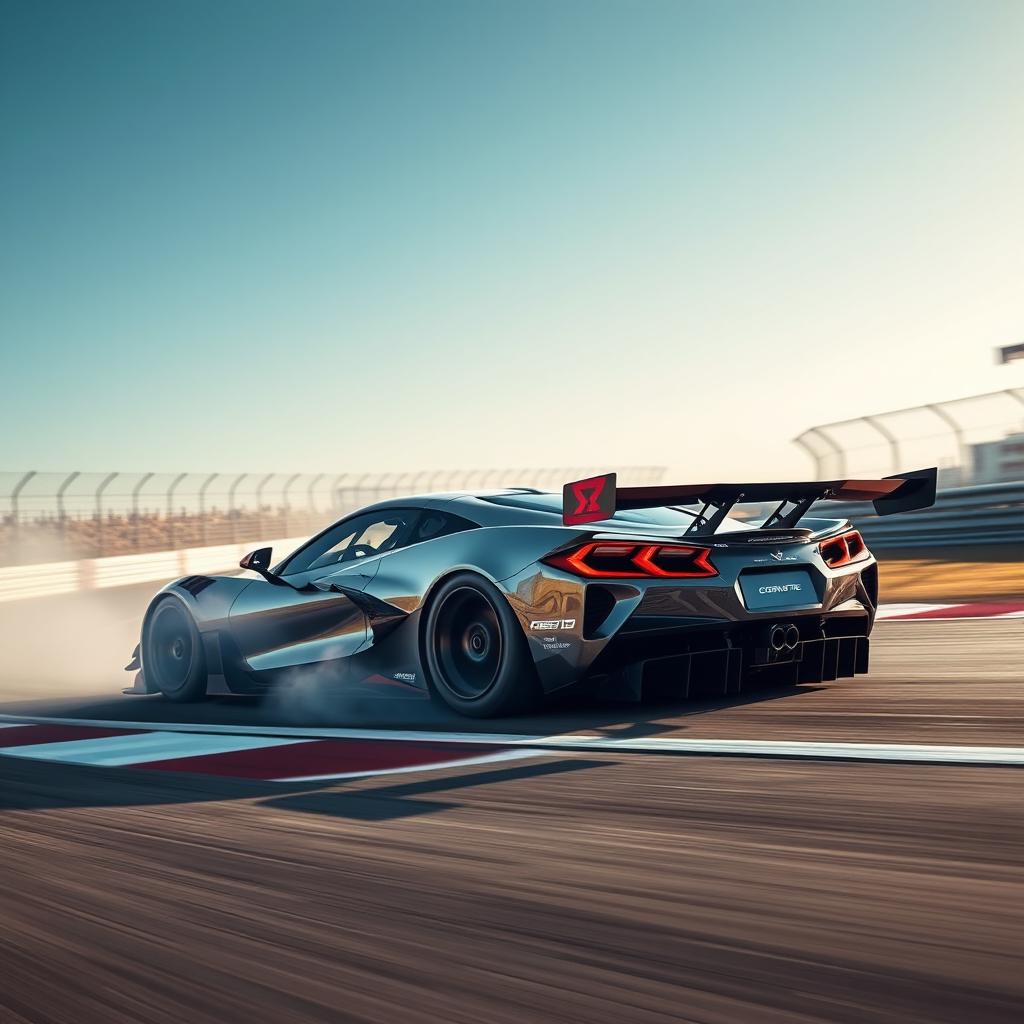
{"x":308,"y":616}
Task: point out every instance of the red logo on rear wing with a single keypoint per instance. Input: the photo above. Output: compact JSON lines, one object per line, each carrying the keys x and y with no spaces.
{"x":588,"y":501}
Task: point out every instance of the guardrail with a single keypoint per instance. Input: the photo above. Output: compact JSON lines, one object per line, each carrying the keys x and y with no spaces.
{"x":976,"y":517}
{"x":51,"y":579}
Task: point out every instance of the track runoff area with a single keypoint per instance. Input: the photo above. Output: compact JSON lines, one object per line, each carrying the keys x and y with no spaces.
{"x":846,"y":853}
{"x":284,"y":753}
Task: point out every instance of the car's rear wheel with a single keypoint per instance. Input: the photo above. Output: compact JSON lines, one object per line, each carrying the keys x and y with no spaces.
{"x":475,"y":652}
{"x":172,"y":652}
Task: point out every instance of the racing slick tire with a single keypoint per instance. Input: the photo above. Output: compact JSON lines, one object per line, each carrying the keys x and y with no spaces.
{"x":172,"y":653}
{"x":476,"y":656}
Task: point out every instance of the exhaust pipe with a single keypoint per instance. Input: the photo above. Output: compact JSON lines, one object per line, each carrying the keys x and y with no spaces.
{"x":784,"y":638}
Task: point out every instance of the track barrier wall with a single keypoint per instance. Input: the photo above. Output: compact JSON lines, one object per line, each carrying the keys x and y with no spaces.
{"x":51,"y":579}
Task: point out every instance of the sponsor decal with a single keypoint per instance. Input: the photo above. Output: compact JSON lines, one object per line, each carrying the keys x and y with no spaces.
{"x":552,"y":643}
{"x":586,"y":501}
{"x":406,"y":677}
{"x":586,"y":493}
{"x":779,"y":588}
{"x":549,"y":624}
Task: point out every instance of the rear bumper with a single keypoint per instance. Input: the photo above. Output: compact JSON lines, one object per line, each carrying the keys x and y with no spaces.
{"x":725,"y":659}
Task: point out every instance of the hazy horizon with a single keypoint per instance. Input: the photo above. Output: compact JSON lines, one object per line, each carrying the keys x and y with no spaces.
{"x":393,"y":236}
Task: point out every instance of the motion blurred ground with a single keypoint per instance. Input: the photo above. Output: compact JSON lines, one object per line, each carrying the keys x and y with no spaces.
{"x":628,"y":888}
{"x":625,"y":889}
{"x":953,"y":576}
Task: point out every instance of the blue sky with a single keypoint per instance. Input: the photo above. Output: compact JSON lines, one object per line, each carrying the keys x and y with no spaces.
{"x":323,"y":235}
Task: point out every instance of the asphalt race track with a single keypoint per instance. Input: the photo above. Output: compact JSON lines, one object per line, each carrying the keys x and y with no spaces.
{"x":533,"y":883}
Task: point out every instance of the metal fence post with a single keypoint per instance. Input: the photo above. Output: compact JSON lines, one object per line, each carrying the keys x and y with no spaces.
{"x":61,"y":517}
{"x":954,"y":425}
{"x":381,"y":484}
{"x":15,"y":517}
{"x":815,"y":457}
{"x":337,"y":503}
{"x":259,"y":503}
{"x":894,"y":441}
{"x":437,"y":475}
{"x":203,"y":524}
{"x":400,"y":485}
{"x":358,"y":487}
{"x":452,"y":481}
{"x":284,"y":502}
{"x":231,"y":505}
{"x":414,"y":483}
{"x":136,"y":533}
{"x":838,"y":449}
{"x":310,"y":487}
{"x":170,"y":508}
{"x":99,"y":511}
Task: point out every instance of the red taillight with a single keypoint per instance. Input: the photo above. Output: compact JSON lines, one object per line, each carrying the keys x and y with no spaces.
{"x":841,"y":550}
{"x":616,"y":559}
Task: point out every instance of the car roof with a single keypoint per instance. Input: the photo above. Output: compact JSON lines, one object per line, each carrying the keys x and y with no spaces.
{"x":511,"y":506}
{"x":475,"y":505}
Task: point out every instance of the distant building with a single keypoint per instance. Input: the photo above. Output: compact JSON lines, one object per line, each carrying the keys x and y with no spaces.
{"x":996,"y":461}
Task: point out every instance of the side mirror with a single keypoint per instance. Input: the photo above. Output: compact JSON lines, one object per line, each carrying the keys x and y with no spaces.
{"x":259,"y":561}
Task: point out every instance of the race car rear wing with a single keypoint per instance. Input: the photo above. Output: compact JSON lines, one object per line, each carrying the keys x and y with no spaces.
{"x":597,"y":498}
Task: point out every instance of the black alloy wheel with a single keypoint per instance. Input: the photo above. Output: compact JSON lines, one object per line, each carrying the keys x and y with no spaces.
{"x":475,"y":652}
{"x":172,"y":653}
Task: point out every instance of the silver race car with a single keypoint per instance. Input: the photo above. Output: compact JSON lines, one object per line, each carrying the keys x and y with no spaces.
{"x":491,"y":601}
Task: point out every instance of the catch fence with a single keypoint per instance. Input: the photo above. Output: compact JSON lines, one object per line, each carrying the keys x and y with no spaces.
{"x":974,"y":440}
{"x":55,"y":517}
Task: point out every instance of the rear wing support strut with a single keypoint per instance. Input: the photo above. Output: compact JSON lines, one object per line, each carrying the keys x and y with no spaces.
{"x":783,"y":519}
{"x":722,"y":507}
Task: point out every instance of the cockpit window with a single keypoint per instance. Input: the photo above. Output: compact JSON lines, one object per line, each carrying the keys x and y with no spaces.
{"x":361,"y":536}
{"x":372,"y":533}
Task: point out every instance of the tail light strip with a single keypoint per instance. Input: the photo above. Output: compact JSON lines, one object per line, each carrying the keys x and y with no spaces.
{"x":616,"y":560}
{"x":841,"y":550}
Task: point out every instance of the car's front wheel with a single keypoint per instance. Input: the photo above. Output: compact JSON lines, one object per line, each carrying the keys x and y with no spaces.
{"x":172,"y":652}
{"x":475,"y":651}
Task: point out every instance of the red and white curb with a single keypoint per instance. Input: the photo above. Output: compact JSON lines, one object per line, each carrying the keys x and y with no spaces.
{"x":978,"y":610}
{"x":270,"y":758}
{"x":292,"y":755}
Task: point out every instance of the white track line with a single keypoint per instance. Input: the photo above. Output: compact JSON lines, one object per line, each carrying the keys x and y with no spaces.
{"x":505,"y":755}
{"x":922,"y":753}
{"x":919,"y":753}
{"x":114,"y":751}
{"x":889,"y":611}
